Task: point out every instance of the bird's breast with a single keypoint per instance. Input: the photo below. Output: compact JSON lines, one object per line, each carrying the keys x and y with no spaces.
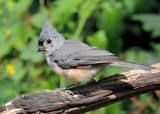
{"x":54,"y":66}
{"x":76,"y":75}
{"x":82,"y":75}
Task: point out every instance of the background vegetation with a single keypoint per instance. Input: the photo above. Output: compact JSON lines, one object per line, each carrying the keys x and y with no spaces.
{"x":128,"y":28}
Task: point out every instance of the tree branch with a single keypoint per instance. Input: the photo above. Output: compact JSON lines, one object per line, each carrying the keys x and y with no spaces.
{"x":87,"y":97}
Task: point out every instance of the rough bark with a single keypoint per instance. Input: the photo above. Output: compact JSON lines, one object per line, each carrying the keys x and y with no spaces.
{"x":87,"y":97}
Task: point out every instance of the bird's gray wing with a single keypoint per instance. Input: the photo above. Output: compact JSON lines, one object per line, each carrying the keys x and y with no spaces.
{"x":75,"y":54}
{"x":93,"y":56}
{"x":63,"y":57}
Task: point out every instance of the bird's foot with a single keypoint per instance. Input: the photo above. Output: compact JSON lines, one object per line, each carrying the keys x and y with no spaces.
{"x":71,"y":95}
{"x":65,"y":89}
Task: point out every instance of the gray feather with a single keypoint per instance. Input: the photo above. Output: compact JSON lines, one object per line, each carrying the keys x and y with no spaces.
{"x":65,"y":54}
{"x":132,"y":65}
{"x":76,"y":54}
{"x":48,"y":32}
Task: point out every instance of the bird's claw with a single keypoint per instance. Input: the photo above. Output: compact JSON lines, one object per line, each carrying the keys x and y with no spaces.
{"x":71,"y":95}
{"x":64,"y":89}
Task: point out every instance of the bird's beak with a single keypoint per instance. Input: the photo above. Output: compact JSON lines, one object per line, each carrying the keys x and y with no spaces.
{"x":40,"y":48}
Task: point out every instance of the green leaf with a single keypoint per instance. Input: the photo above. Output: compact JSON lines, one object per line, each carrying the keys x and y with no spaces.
{"x":84,"y":13}
{"x":8,"y":91}
{"x":153,"y":56}
{"x":136,"y":55}
{"x":133,"y":5}
{"x":10,"y":5}
{"x":114,"y":109}
{"x":30,"y":54}
{"x":40,"y":17}
{"x":99,"y":39}
{"x":22,"y":6}
{"x":150,"y":23}
{"x":19,"y":71}
{"x":111,"y":19}
{"x":63,"y":10}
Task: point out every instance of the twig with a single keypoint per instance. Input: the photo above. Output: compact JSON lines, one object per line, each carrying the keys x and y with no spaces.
{"x":87,"y":97}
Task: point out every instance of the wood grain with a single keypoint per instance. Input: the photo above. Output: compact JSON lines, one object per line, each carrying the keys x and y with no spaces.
{"x":92,"y":96}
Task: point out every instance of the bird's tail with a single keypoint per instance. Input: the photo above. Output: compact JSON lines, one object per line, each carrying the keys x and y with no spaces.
{"x":132,"y":65}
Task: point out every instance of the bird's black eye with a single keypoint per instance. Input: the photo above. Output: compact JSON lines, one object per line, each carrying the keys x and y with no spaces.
{"x":49,"y":41}
{"x":40,"y":43}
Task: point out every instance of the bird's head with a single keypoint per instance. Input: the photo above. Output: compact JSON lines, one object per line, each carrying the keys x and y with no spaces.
{"x":49,"y":39}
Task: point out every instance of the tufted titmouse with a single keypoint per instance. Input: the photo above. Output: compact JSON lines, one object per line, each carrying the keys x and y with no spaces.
{"x":75,"y":60}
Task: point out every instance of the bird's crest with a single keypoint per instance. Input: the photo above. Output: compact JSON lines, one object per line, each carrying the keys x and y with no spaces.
{"x":48,"y":31}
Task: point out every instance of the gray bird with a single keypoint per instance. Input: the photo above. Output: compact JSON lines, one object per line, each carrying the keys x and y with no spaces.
{"x":75,"y":60}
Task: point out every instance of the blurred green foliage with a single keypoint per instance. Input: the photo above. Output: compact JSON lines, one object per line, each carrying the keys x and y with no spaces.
{"x":128,"y":28}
